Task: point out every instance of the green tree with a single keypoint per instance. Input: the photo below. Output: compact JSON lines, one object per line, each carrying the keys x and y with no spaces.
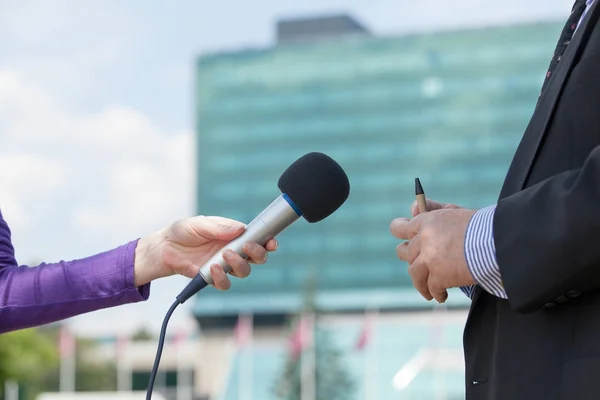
{"x":25,"y":356}
{"x":332,"y":380}
{"x":142,"y":334}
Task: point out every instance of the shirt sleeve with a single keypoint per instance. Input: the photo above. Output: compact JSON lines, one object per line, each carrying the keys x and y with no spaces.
{"x":468,"y":290}
{"x":480,"y":253}
{"x":32,"y":296}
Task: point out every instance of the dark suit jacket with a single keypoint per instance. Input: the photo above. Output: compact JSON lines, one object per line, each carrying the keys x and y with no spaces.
{"x":544,"y":342}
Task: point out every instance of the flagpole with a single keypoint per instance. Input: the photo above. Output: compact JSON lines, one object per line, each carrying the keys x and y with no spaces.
{"x":371,"y":366}
{"x":67,"y":360}
{"x":184,"y":381}
{"x":308,"y":358}
{"x":439,"y":313}
{"x":11,"y":390}
{"x":245,"y":372}
{"x":123,"y":364}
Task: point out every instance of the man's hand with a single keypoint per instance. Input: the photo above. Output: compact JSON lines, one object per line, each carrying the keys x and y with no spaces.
{"x":184,"y":246}
{"x":431,"y":206}
{"x":435,"y":248}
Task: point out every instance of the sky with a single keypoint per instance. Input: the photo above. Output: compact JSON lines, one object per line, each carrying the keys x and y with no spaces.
{"x":96,"y":114}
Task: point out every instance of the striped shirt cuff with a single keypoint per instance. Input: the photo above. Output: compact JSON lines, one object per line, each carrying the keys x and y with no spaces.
{"x":480,"y":252}
{"x":468,"y":290}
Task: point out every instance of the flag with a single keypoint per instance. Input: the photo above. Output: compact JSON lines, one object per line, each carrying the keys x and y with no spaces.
{"x":243,"y":333}
{"x":66,"y":343}
{"x":66,"y":348}
{"x":123,"y":367}
{"x":302,"y":336}
{"x":365,"y":333}
{"x":243,"y":330}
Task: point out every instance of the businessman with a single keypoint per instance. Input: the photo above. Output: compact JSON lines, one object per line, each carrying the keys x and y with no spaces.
{"x":531,"y":262}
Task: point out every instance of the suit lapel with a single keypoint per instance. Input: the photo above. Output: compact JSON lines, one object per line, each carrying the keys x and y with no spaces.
{"x":538,"y":126}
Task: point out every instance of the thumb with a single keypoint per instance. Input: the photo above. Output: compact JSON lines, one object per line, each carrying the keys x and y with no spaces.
{"x":452,"y":206}
{"x":431,"y":206}
{"x":217,"y":228}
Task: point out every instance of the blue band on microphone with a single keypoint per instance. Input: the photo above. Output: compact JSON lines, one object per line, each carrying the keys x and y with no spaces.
{"x":292,"y":204}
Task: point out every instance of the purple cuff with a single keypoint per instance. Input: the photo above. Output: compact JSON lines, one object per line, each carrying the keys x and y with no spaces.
{"x":142,"y":293}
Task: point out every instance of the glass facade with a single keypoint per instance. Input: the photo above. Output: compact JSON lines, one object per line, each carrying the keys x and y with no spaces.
{"x":447,"y":107}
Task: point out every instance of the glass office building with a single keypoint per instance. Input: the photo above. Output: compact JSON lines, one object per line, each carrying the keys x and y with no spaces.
{"x":449,"y":108}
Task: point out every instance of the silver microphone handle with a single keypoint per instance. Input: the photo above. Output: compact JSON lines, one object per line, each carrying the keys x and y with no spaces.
{"x":270,"y":222}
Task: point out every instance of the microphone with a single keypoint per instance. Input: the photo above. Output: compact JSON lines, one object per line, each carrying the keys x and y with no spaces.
{"x":313,"y":187}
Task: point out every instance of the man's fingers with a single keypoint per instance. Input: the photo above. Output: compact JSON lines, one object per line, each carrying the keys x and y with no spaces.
{"x":451,"y":206}
{"x":420,"y":275}
{"x":398,"y":227}
{"x":409,"y":251}
{"x":406,"y":229}
{"x":402,"y":251}
{"x":439,"y":294}
{"x":432,"y":205}
{"x":442,"y":297}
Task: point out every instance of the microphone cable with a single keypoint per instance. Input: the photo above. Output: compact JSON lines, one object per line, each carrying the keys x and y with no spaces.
{"x":196,"y":284}
{"x":161,"y":342}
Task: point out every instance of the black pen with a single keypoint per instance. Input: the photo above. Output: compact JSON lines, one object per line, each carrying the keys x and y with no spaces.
{"x":420,"y":194}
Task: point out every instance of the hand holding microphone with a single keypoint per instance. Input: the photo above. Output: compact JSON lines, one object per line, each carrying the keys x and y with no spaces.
{"x":184,"y":245}
{"x":313,"y":187}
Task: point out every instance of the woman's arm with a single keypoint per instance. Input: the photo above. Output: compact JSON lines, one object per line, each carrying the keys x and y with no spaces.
{"x":51,"y":292}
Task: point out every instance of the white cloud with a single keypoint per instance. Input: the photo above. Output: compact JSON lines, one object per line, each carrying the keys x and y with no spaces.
{"x":75,"y":184}
{"x":134,"y":172}
{"x":23,"y":178}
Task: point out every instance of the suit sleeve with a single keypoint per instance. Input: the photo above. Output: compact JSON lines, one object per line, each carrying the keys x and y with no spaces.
{"x":547,"y":239}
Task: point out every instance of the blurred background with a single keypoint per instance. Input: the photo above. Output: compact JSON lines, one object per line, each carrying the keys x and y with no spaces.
{"x":117,"y":118}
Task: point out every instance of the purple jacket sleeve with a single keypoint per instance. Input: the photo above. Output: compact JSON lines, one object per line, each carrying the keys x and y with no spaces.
{"x":32,"y":296}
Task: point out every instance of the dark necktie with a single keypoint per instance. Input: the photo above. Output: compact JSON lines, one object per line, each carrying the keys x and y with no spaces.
{"x":565,"y":38}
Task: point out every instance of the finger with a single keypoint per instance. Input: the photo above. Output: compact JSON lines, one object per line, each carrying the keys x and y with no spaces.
{"x":402,"y":251}
{"x":420,"y":274}
{"x":239,"y":267}
{"x":409,"y":251}
{"x":220,"y":279}
{"x":442,"y":297}
{"x":190,"y":270}
{"x":432,"y":205}
{"x":451,"y":206}
{"x":406,"y":229}
{"x":439,"y":293}
{"x":272,"y":245}
{"x":398,"y":227}
{"x":413,"y":249}
{"x":217,"y":228}
{"x":256,"y":253}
